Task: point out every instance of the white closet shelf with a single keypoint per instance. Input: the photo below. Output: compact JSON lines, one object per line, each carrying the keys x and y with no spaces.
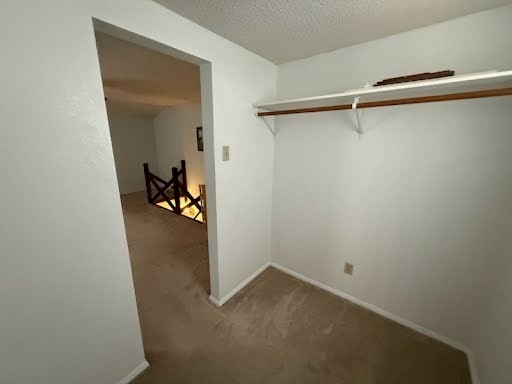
{"x":470,"y":86}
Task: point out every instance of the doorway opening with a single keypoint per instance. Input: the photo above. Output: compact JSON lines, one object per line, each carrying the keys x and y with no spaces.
{"x":155,"y":102}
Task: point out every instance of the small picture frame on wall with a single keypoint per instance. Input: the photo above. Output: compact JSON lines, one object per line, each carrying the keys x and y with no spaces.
{"x":199,"y":136}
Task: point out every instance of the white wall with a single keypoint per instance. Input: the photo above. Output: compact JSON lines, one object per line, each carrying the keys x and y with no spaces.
{"x":418,"y":202}
{"x":493,"y":336}
{"x":469,"y":44}
{"x":68,"y":305}
{"x":175,"y":134}
{"x":133,"y":143}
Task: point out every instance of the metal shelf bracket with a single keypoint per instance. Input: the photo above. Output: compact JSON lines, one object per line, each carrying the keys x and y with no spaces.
{"x":270,"y":125}
{"x":359,"y":127}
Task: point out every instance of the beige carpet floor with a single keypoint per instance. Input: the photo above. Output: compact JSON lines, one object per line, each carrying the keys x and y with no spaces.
{"x":276,"y":330}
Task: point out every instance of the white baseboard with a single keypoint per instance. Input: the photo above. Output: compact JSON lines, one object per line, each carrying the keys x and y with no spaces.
{"x":215,"y":301}
{"x":361,"y":303}
{"x":388,"y":315}
{"x":133,"y":374}
{"x":222,"y":301}
{"x":475,"y":379}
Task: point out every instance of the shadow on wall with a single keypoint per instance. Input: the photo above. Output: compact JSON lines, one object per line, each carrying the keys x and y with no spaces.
{"x":133,"y":143}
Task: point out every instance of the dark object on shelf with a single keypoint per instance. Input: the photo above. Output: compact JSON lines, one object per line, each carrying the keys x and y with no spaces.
{"x":416,"y":77}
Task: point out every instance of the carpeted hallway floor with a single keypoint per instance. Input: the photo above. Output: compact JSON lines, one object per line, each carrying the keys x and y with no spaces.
{"x":277,"y":330}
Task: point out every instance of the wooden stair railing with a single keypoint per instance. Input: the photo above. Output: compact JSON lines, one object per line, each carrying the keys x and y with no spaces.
{"x":178,"y":187}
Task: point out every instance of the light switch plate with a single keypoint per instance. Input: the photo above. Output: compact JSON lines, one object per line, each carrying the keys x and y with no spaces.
{"x":225,"y":153}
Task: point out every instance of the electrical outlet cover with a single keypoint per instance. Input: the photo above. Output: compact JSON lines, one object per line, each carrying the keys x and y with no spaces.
{"x":349,"y":269}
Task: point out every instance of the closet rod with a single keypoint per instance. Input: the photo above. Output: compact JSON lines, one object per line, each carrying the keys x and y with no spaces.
{"x":387,"y":103}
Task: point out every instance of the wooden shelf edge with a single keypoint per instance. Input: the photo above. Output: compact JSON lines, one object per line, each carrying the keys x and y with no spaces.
{"x":394,"y":102}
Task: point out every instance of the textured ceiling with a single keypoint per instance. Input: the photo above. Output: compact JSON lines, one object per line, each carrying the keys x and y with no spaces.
{"x":286,"y":30}
{"x":140,"y":81}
